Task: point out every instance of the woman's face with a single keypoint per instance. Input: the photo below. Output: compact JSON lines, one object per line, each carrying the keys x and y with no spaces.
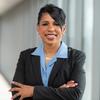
{"x":50,"y":32}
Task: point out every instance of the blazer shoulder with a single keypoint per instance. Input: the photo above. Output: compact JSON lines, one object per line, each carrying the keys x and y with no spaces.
{"x":74,"y":53}
{"x":28,"y":51}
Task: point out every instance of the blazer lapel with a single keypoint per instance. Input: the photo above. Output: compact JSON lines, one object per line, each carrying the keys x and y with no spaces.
{"x":56,"y":68}
{"x":36,"y":69}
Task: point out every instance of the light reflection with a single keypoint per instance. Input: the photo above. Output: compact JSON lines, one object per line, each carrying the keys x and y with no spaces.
{"x":4,"y":89}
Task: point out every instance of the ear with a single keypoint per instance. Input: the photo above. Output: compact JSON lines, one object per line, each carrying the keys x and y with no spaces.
{"x":37,"y":28}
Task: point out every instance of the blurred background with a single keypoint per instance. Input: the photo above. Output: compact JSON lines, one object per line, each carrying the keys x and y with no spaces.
{"x":18,"y":20}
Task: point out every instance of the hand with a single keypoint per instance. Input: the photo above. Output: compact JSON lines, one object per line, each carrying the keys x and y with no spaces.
{"x":70,"y":84}
{"x":22,"y":90}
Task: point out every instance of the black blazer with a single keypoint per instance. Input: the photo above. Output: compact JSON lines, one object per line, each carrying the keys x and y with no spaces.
{"x":28,"y":72}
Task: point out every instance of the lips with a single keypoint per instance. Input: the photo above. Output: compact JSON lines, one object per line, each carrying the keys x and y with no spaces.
{"x":51,"y":36}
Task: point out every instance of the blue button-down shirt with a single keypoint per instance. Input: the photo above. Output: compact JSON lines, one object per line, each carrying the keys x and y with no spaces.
{"x":46,"y":68}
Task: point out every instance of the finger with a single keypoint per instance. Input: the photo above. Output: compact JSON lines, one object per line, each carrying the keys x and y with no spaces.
{"x":76,"y":84}
{"x":21,"y":98}
{"x":72,"y":82}
{"x":72,"y":85}
{"x":65,"y":86}
{"x":15,"y":95}
{"x":69,"y":82}
{"x":14,"y":89}
{"x":17,"y":84}
{"x":69,"y":86}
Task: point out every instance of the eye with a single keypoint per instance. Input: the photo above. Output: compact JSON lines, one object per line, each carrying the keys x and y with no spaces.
{"x":44,"y":24}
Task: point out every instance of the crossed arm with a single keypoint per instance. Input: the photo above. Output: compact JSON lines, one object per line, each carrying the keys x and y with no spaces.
{"x":72,"y":90}
{"x":28,"y":91}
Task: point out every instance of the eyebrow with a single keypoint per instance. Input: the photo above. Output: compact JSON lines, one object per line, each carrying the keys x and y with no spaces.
{"x":44,"y":21}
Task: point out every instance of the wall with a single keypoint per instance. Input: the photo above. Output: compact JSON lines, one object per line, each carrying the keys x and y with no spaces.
{"x":18,"y":32}
{"x":96,"y":53}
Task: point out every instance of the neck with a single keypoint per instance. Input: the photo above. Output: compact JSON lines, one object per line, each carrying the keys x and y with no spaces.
{"x":50,"y":50}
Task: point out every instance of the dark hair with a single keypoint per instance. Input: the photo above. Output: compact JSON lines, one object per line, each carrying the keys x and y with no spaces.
{"x":55,"y":12}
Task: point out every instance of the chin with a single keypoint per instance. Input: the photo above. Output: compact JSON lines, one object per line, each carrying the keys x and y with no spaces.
{"x":51,"y":43}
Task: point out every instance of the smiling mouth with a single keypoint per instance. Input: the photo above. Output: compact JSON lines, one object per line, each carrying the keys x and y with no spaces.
{"x":51,"y":36}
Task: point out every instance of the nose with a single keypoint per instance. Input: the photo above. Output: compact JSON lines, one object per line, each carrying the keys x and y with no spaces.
{"x":51,"y":28}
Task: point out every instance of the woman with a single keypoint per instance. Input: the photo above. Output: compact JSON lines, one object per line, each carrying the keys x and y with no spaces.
{"x":51,"y":71}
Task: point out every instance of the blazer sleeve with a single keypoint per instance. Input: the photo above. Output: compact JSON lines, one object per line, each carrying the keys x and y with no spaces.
{"x":77,"y":74}
{"x":19,"y":72}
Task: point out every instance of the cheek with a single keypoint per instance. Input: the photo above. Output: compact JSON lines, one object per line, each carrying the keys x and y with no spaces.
{"x":61,"y":33}
{"x":41,"y":30}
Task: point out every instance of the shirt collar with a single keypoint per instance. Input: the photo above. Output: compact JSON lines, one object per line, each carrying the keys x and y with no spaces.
{"x":38,"y":50}
{"x":61,"y":53}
